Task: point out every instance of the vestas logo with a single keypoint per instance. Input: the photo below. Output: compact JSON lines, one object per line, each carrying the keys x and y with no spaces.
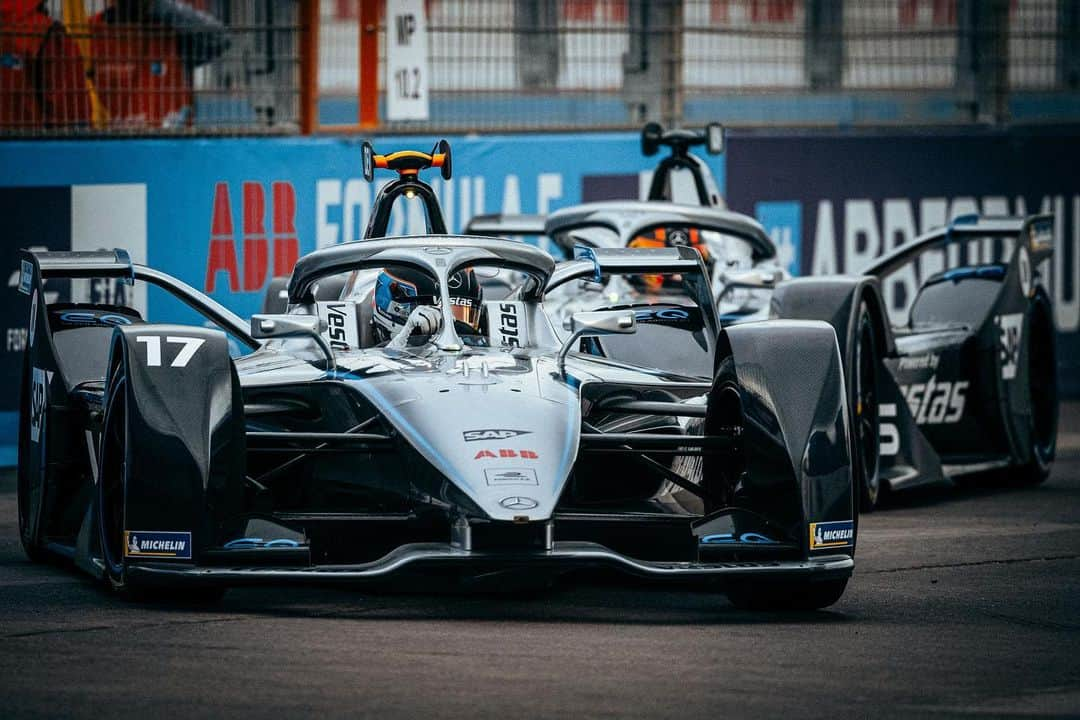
{"x":492,"y":434}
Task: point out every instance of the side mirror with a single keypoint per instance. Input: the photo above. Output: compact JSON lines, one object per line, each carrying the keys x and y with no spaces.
{"x":1041,"y":239}
{"x":445,"y":167}
{"x":650,"y":138}
{"x":596,"y":324}
{"x":284,"y":326}
{"x":752,"y":279}
{"x":367,"y":160}
{"x":714,"y":138}
{"x":292,"y":326}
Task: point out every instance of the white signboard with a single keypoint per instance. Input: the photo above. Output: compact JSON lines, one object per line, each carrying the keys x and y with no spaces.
{"x":406,"y":60}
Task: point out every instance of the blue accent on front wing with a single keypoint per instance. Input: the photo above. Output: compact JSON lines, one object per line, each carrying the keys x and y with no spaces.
{"x":747,"y":538}
{"x":989,"y":272}
{"x":259,"y":542}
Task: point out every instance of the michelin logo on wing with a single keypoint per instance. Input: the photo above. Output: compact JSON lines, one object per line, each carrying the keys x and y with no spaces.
{"x":837,"y":534}
{"x":176,"y":545}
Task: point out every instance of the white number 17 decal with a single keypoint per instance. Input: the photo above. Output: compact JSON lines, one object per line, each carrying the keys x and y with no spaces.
{"x":153,"y":349}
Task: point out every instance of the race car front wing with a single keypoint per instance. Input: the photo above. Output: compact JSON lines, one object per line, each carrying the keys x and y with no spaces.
{"x":563,"y":557}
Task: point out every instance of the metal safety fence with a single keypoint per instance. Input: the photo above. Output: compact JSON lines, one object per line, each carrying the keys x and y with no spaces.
{"x":148,"y":67}
{"x":280,"y":66}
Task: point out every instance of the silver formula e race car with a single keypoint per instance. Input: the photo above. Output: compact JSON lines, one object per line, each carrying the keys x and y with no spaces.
{"x":469,"y":440}
{"x":962,"y":380}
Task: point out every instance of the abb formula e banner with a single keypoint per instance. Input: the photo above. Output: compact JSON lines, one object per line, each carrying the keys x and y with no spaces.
{"x":227,"y":215}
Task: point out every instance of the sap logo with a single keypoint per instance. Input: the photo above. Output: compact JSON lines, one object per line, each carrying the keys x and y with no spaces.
{"x":256,"y":253}
{"x":934,"y":402}
{"x":492,"y":434}
{"x":832,"y":534}
{"x":157,"y":544}
{"x":89,"y":318}
{"x":747,"y":538}
{"x":1010,"y":331}
{"x":920,"y":362}
{"x":506,"y":453}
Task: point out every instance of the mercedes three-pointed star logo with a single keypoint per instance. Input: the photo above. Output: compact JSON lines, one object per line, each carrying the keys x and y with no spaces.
{"x":516,"y":502}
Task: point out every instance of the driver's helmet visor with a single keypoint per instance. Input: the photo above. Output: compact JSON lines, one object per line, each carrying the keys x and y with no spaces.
{"x":466,"y":310}
{"x":662,"y":237}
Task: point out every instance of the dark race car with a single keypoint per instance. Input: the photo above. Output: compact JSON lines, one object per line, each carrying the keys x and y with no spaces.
{"x":425,"y":426}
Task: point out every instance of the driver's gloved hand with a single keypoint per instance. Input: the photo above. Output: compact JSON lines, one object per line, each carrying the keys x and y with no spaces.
{"x":423,"y":320}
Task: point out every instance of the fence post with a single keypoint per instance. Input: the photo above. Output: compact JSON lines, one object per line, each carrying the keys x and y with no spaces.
{"x":309,"y":66}
{"x":368,"y":29}
{"x":1068,"y":46}
{"x":823,"y":61}
{"x":536,"y":33}
{"x":982,"y":58}
{"x":652,"y":66}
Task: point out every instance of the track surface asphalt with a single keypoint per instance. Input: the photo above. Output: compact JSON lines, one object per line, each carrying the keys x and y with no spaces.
{"x":965,"y":602}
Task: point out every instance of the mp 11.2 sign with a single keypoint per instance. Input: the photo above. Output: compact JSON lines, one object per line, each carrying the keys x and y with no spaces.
{"x":406,"y":61}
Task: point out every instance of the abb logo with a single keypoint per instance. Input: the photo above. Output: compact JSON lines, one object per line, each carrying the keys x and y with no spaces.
{"x":256,"y":253}
{"x":506,"y":453}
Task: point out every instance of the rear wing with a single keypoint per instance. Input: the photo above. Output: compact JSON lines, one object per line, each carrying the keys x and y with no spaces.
{"x":1035,"y":233}
{"x":596,"y":263}
{"x":38,"y":266}
{"x":82,"y":264}
{"x":500,"y":225}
